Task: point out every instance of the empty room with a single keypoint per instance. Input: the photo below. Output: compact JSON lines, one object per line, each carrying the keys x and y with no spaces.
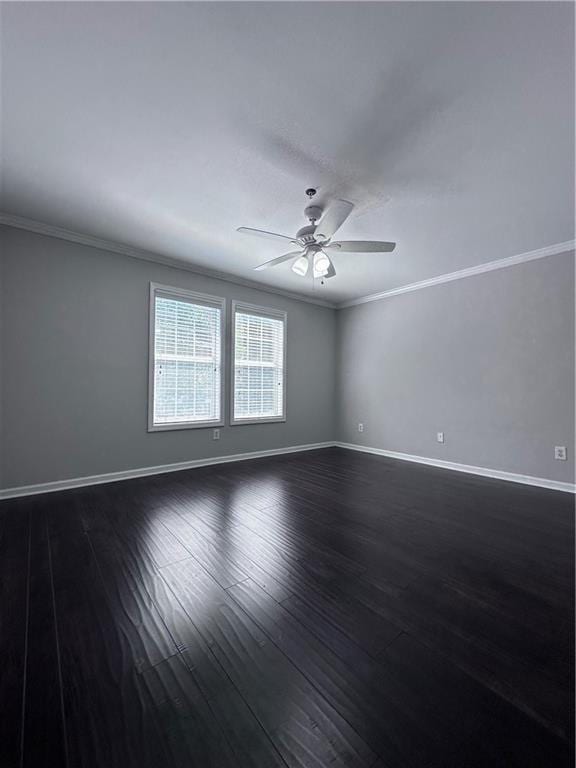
{"x":287,"y":391}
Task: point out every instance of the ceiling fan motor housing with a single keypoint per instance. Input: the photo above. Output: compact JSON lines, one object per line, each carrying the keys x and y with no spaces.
{"x":313,"y":212}
{"x":306,"y":234}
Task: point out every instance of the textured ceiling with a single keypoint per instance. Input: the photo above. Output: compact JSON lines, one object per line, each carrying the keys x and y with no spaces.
{"x":167,"y":125}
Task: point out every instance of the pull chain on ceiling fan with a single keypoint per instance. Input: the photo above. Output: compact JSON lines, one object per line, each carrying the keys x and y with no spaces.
{"x":315,"y":239}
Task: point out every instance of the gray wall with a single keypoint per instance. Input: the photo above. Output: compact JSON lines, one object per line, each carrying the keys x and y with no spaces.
{"x":488,"y":360}
{"x":74,"y":365}
{"x":2,"y":367}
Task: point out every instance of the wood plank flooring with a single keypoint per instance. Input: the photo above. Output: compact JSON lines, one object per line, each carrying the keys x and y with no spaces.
{"x":324,"y":609}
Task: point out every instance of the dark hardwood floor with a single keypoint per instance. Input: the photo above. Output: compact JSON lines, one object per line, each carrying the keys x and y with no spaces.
{"x":322,"y":609}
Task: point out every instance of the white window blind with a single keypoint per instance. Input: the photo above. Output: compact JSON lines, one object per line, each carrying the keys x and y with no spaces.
{"x":187,"y":365}
{"x":259,"y":347}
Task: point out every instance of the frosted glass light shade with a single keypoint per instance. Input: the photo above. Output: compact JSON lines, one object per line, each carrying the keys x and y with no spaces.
{"x":300,"y":266}
{"x":321,"y":264}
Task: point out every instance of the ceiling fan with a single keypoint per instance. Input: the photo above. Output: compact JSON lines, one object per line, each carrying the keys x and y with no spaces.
{"x":316,"y":238}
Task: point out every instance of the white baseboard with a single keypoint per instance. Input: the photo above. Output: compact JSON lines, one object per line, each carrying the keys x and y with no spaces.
{"x":113,"y":477}
{"x":496,"y":474}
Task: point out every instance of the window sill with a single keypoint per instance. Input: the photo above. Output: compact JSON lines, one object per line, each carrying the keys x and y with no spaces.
{"x":185,"y":425}
{"x":273,"y":420}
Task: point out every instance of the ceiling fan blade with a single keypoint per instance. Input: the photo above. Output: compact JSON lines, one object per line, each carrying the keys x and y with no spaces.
{"x":278,"y":260}
{"x":362,"y":246}
{"x":264,"y":233}
{"x":333,"y":219}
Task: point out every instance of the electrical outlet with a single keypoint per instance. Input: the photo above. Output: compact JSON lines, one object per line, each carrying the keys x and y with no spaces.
{"x":216,"y":434}
{"x":360,"y":427}
{"x":560,"y":452}
{"x":439,"y":437}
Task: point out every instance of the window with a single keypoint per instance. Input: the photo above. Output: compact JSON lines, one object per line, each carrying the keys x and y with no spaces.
{"x":258,"y":367}
{"x":186,"y":352}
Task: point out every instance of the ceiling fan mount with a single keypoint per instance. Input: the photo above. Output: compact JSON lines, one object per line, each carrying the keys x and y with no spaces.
{"x":314,"y":238}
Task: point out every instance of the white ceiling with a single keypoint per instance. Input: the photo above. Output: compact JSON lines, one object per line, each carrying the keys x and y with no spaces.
{"x":167,"y":125}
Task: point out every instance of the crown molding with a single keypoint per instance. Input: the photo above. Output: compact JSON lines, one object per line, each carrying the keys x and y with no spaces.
{"x":480,"y":269}
{"x":49,"y":230}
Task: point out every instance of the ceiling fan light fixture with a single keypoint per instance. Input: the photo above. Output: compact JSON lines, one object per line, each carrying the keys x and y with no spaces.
{"x":321,"y":264}
{"x":312,"y":239}
{"x":300,"y":266}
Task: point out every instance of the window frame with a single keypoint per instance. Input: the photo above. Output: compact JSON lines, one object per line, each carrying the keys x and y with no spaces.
{"x":192,"y":297}
{"x":276,"y":314}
